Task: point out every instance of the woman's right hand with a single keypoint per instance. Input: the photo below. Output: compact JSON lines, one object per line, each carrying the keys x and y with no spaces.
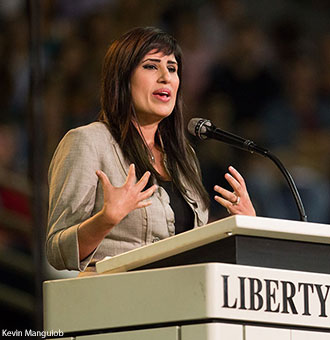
{"x":120,"y":201}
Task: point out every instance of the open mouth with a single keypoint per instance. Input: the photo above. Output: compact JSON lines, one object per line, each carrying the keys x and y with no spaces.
{"x":162,"y":94}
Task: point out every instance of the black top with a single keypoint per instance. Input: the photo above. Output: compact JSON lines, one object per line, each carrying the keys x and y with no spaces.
{"x":184,"y":215}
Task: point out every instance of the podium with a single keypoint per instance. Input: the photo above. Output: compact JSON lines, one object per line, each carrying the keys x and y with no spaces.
{"x":238,"y":278}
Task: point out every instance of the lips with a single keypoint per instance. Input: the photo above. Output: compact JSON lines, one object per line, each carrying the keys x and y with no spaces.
{"x":162,"y":94}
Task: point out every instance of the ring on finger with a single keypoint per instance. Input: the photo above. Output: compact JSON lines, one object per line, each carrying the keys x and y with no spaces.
{"x":237,"y":201}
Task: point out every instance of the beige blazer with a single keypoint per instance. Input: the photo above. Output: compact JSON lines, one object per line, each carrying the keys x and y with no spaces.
{"x":75,"y":194}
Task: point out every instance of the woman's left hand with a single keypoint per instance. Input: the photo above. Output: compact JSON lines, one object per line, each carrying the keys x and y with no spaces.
{"x":237,"y":202}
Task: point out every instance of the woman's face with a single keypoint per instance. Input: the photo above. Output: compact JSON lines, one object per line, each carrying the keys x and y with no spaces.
{"x":154,"y":87}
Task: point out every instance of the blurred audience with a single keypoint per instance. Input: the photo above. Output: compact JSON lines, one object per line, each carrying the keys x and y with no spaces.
{"x":296,"y":126}
{"x":325,"y":65}
{"x":243,"y":76}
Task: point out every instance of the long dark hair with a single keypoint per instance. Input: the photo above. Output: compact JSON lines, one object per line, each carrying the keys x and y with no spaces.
{"x":118,"y":113}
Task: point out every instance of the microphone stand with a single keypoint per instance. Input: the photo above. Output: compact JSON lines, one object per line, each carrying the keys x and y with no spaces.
{"x":250,"y":146}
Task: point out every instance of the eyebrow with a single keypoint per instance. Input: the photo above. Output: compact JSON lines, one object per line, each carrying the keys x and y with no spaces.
{"x":158,"y":61}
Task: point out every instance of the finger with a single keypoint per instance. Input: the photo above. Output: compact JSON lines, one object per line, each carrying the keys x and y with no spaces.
{"x":147,"y":193}
{"x":231,"y":209}
{"x":103,"y":178}
{"x":143,"y":181}
{"x":106,"y":184}
{"x":143,"y":204}
{"x":233,"y":183}
{"x":225,"y":203}
{"x":237,"y":176}
{"x":228,"y":195}
{"x":131,"y":177}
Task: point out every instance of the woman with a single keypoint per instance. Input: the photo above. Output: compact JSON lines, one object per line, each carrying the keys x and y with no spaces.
{"x":96,"y":206}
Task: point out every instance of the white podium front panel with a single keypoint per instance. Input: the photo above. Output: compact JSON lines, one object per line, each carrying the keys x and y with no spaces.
{"x":166,"y":333}
{"x":281,"y":297}
{"x":188,"y":293}
{"x":212,"y":331}
{"x":306,"y":335}
{"x":126,"y":299}
{"x":263,"y":333}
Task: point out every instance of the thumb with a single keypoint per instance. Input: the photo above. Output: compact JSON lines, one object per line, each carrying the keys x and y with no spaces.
{"x":103,"y":179}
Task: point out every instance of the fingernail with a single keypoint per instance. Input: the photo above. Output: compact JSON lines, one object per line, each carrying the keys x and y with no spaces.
{"x":232,"y":168}
{"x":98,"y":172}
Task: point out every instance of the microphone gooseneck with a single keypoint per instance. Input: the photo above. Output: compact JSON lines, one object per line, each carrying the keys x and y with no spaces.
{"x":204,"y":129}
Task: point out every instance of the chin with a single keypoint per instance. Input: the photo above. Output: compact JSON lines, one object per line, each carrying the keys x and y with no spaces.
{"x":155,"y":114}
{"x":164,"y":112}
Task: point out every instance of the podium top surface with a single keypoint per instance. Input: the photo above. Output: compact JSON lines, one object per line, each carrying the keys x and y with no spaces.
{"x":234,"y":225}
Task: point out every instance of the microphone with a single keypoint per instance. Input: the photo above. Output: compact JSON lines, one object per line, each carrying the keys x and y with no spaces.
{"x":204,"y":129}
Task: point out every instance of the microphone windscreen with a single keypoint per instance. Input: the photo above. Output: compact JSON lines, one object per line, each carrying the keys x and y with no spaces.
{"x":192,"y":125}
{"x":199,"y":127}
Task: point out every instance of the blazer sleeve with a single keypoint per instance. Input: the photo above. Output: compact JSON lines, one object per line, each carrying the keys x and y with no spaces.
{"x":72,"y":191}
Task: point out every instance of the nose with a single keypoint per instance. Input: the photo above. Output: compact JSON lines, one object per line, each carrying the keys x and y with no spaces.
{"x":164,"y":76}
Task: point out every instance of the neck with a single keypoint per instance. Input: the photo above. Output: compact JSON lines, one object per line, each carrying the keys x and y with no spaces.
{"x":148,"y":131}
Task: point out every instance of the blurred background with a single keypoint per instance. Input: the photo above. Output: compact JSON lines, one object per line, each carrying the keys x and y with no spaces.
{"x":257,"y":68}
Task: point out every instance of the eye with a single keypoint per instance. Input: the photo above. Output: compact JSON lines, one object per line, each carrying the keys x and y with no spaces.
{"x":150,"y":67}
{"x":172,"y":69}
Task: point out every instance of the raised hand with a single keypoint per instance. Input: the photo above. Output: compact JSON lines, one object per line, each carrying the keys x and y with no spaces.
{"x":119,"y":201}
{"x":237,"y":202}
